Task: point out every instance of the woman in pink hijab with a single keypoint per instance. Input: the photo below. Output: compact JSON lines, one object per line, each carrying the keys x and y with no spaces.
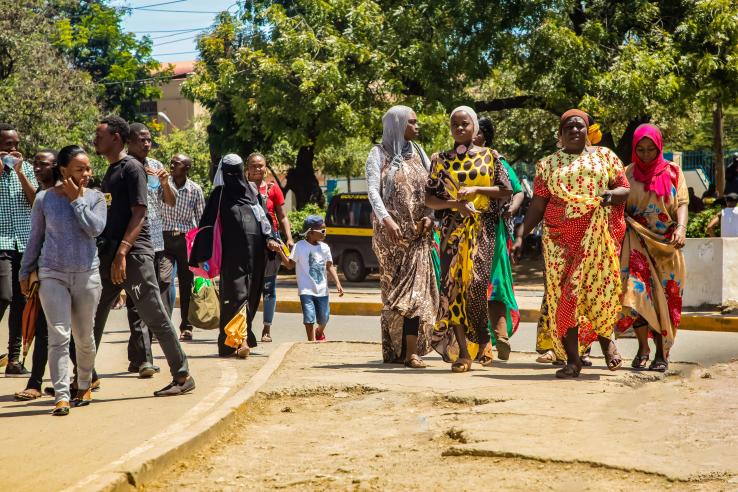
{"x":651,"y":260}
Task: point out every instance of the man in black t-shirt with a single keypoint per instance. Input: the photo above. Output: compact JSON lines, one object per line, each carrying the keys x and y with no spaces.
{"x":126,"y":253}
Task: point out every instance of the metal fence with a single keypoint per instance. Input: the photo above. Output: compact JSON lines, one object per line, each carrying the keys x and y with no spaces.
{"x":702,"y":159}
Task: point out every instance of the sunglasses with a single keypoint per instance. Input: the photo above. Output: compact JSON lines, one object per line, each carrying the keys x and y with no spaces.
{"x":321,"y":231}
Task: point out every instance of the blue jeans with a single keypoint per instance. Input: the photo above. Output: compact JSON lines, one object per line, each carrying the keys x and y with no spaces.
{"x":270,"y":299}
{"x":315,"y":309}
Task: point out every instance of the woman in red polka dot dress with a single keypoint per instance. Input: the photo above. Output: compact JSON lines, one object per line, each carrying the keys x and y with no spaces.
{"x":579,"y":194}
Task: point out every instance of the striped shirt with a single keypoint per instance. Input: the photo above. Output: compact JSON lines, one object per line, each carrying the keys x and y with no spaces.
{"x":186,"y":212}
{"x":15,"y":211}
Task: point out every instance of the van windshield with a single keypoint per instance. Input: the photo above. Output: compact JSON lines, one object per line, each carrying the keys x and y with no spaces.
{"x":350,"y":213}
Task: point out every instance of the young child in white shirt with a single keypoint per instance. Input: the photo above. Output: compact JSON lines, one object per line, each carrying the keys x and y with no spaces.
{"x":312,"y":259}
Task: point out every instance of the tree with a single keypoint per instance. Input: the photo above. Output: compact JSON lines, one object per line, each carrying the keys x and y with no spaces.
{"x":51,"y":103}
{"x":709,"y":45}
{"x":91,"y":36}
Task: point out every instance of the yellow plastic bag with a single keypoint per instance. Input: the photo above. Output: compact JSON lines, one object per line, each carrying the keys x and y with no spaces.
{"x":235,"y":330}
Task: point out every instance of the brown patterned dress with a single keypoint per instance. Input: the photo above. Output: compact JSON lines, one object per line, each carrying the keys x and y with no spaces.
{"x":407,"y":279}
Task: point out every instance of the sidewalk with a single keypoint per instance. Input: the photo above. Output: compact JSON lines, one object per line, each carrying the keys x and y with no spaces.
{"x":512,"y":423}
{"x":42,"y":452}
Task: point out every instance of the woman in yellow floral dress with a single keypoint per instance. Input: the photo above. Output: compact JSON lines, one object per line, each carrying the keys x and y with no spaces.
{"x":468,"y":186}
{"x":652,"y":263}
{"x":575,"y":189}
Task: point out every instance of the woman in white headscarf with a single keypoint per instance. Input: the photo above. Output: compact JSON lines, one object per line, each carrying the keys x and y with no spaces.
{"x":236,"y":212}
{"x":468,"y":186}
{"x":397,"y":172}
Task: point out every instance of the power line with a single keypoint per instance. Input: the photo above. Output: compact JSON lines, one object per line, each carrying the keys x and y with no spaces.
{"x":175,"y":53}
{"x":184,"y":11}
{"x":179,"y":33}
{"x":166,"y":30}
{"x":154,"y":5}
{"x":176,"y":40}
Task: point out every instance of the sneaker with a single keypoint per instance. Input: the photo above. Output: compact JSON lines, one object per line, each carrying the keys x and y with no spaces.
{"x":15,"y":370}
{"x":147,"y":370}
{"x":176,"y":389}
{"x":133,"y":368}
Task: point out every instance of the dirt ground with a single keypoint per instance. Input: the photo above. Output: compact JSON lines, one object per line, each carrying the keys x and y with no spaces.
{"x":320,"y":426}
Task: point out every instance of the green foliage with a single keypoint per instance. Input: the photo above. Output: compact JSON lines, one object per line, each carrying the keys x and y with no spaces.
{"x":297,"y":217}
{"x":92,"y":37}
{"x":192,"y":142}
{"x":697,"y":225}
{"x":50,"y":103}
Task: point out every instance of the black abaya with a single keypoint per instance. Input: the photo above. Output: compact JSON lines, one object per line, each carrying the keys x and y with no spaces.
{"x":243,"y":249}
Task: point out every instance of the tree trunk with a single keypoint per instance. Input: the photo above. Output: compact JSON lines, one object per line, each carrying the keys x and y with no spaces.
{"x":717,"y":148}
{"x":625,"y":144}
{"x":301,"y":179}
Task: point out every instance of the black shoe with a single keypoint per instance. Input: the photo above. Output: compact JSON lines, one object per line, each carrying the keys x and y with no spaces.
{"x":147,"y":370}
{"x":176,"y":389}
{"x":15,"y":370}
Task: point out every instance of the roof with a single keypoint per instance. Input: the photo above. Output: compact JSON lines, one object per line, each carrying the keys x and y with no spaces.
{"x":180,"y":68}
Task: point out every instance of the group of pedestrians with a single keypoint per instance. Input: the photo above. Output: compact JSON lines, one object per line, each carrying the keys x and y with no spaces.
{"x":81,"y":247}
{"x":445,"y":243}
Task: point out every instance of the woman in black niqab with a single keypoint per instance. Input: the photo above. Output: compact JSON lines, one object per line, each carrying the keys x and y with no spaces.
{"x":245,"y":235}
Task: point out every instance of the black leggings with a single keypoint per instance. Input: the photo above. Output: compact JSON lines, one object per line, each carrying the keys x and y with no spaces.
{"x":410,"y":327}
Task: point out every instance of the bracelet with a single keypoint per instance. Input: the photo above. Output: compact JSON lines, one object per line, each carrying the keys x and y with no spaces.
{"x":123,"y":241}
{"x":680,"y":225}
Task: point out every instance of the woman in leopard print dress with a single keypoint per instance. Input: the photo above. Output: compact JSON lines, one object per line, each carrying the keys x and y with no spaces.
{"x":468,"y":185}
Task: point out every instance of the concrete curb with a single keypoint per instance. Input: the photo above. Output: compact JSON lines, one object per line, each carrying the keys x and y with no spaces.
{"x":163,"y":451}
{"x":692,"y":322}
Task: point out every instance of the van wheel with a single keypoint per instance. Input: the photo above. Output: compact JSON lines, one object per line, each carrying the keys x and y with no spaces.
{"x":353,"y":267}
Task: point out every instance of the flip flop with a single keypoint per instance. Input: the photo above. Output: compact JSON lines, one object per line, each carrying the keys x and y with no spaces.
{"x":266,"y":338}
{"x":487,"y":357}
{"x":185,"y":336}
{"x":242,"y":352}
{"x":639,"y":362}
{"x":659,"y":365}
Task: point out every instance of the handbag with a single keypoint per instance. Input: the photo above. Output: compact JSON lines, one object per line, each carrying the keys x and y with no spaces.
{"x":204,"y":310}
{"x":211,"y":267}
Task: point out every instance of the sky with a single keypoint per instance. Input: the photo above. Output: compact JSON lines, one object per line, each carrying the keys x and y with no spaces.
{"x":188,"y":17}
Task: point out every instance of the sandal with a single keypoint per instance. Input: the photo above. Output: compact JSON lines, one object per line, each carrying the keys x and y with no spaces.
{"x":612,"y":357}
{"x":415,"y":362}
{"x":27,"y":394}
{"x":95,"y":385}
{"x":659,"y":365}
{"x":266,"y":338}
{"x":242,"y":352}
{"x":186,"y":336}
{"x":487,"y":356}
{"x":639,"y":362}
{"x":503,"y":349}
{"x":548,"y":357}
{"x":461,"y":365}
{"x":61,"y":409}
{"x":569,"y":371}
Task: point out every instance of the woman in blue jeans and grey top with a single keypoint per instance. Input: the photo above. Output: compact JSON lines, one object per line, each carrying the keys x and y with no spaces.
{"x":65,"y":221}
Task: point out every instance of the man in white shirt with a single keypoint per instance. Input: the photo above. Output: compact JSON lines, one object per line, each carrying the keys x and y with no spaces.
{"x":177,"y":220}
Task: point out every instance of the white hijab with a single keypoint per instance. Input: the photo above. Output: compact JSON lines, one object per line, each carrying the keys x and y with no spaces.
{"x":394,"y":123}
{"x":472,"y":114}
